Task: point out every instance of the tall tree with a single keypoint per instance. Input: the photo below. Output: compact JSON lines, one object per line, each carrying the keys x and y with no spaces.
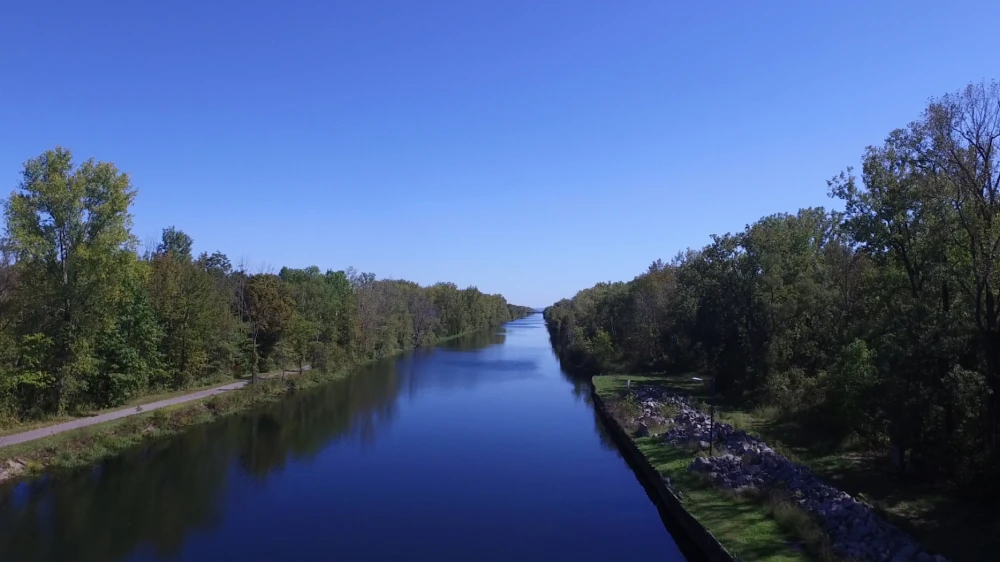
{"x":175,"y":242}
{"x":69,"y":229}
{"x":190,"y":304}
{"x":267,"y":308}
{"x":962,"y":152}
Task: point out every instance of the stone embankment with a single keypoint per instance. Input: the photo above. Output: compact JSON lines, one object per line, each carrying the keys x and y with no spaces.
{"x":745,"y":463}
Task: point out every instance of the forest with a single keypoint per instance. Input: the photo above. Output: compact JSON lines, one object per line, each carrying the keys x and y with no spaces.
{"x":878,"y":323}
{"x":88,"y":320}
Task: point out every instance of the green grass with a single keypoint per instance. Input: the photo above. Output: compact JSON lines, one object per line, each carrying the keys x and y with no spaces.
{"x":73,"y":449}
{"x":8,"y":427}
{"x":942,"y":519}
{"x":751,"y":527}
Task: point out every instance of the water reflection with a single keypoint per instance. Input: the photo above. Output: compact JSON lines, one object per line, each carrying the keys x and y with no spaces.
{"x":581,"y":391}
{"x":478,"y":340}
{"x":153,"y":497}
{"x":474,"y":450}
{"x":68,"y":518}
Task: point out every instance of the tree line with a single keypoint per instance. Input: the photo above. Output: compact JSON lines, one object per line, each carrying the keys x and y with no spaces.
{"x":879,"y":323}
{"x":88,"y":320}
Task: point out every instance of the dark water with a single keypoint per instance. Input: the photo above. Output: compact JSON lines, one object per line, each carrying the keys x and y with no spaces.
{"x":480,"y":449}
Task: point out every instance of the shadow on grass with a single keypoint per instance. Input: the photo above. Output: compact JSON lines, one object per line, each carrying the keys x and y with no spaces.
{"x":960,"y":527}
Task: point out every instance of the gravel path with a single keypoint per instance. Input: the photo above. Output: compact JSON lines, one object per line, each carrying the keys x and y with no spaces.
{"x":46,"y":431}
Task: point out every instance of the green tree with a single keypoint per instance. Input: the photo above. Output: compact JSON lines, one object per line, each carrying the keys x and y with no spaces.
{"x":962,"y":157}
{"x":266,"y":308}
{"x":175,"y":242}
{"x":127,"y":348}
{"x":301,"y":334}
{"x":69,"y":229}
{"x":191,"y":306}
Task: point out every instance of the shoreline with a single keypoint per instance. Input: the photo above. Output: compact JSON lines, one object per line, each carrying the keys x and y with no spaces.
{"x":723,"y":526}
{"x":697,"y":542}
{"x":80,"y":422}
{"x":79,"y":447}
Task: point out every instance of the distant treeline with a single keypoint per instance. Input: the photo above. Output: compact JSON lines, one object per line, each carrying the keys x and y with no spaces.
{"x":87,"y":320}
{"x":881,"y":322}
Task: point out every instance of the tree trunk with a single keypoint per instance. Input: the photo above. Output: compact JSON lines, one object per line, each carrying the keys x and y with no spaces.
{"x":253,"y":363}
{"x":992,"y":378}
{"x":254,"y":357}
{"x":897,"y":455}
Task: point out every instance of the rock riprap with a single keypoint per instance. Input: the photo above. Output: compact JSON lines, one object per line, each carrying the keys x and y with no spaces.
{"x":744,"y":462}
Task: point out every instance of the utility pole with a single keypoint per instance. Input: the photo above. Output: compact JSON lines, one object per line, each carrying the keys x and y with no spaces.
{"x":711,"y":425}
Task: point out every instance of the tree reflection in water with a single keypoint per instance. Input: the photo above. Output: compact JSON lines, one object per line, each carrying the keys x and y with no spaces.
{"x":153,"y":497}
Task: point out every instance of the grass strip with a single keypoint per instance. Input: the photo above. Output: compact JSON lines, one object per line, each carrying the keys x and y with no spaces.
{"x":82,"y":447}
{"x":758,"y":526}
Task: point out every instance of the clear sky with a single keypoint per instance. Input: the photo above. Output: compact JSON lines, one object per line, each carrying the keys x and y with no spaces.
{"x":531,"y":148}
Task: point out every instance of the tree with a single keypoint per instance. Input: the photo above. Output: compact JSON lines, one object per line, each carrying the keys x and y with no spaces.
{"x":423,"y":314}
{"x":301,"y":333}
{"x":191,"y":304}
{"x":69,"y":230}
{"x":900,"y":221}
{"x":961,"y":154}
{"x":175,"y":242}
{"x":126,"y":350}
{"x":266,"y":308}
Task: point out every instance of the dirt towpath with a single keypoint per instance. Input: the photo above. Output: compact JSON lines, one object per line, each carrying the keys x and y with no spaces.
{"x":46,"y":431}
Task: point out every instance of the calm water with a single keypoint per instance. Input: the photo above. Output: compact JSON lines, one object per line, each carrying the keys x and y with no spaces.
{"x":480,"y":449}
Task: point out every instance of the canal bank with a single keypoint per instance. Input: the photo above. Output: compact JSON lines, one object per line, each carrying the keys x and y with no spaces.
{"x":746,"y":524}
{"x":701,"y":544}
{"x":68,"y":446}
{"x":88,"y":439}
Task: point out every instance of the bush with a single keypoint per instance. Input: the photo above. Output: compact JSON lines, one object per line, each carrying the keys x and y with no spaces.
{"x":794,"y":391}
{"x":113,"y":389}
{"x":853,"y":391}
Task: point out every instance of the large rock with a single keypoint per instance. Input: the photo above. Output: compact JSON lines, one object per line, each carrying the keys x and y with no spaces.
{"x":701,"y":464}
{"x":11,"y":469}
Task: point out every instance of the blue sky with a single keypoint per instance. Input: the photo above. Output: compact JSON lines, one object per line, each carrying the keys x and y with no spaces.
{"x":529,"y":148}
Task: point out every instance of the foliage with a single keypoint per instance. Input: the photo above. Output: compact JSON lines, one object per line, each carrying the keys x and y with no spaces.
{"x":85,"y":321}
{"x":881,"y":322}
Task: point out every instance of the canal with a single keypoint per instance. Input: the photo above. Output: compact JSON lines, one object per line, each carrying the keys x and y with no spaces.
{"x":478,"y":449}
